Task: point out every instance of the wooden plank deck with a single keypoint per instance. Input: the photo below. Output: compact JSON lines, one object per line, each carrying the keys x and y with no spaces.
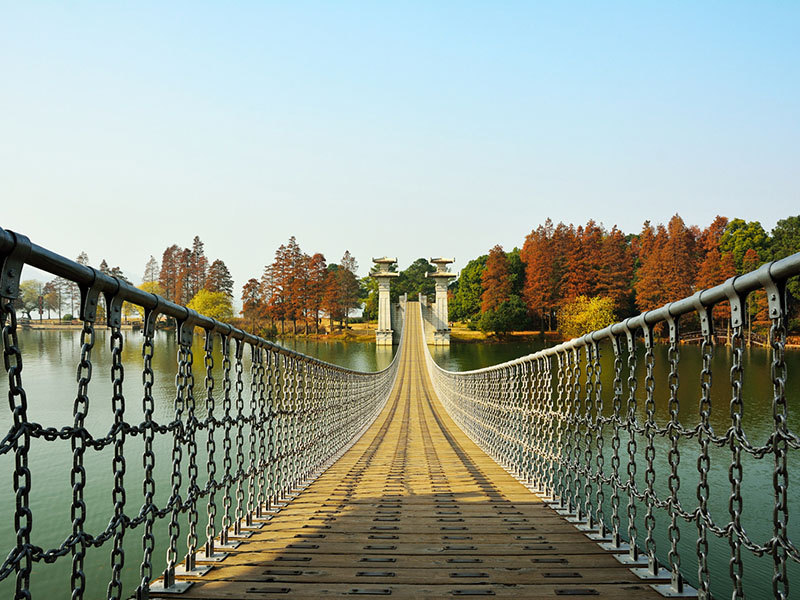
{"x":416,"y":510}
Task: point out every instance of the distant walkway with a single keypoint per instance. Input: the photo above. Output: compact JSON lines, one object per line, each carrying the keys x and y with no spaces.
{"x":416,"y":510}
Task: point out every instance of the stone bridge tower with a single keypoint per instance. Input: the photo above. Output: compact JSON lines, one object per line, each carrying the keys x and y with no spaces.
{"x":440,"y":318}
{"x":385,"y":334}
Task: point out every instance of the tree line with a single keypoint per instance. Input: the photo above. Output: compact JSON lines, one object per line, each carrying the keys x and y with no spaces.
{"x":184,"y":276}
{"x":576,"y":279}
{"x":187,"y":277}
{"x":298,"y":288}
{"x":59,"y":295}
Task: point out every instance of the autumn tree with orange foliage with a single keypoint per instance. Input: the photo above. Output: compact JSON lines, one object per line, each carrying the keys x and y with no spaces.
{"x":583,"y":262}
{"x":667,"y":264}
{"x":184,"y":272}
{"x":679,"y":260}
{"x":496,"y":280}
{"x":298,"y":287}
{"x":563,"y":263}
{"x":616,"y":269}
{"x":538,"y":254}
{"x":715,"y":267}
{"x":661,"y":264}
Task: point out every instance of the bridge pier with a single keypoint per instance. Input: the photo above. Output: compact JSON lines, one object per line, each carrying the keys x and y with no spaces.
{"x":384,"y":336}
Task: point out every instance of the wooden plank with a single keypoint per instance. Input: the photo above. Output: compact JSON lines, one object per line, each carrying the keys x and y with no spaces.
{"x":249,"y":590}
{"x":383,"y":572}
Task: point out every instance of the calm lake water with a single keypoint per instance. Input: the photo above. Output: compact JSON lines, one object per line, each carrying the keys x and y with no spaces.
{"x":50,"y":359}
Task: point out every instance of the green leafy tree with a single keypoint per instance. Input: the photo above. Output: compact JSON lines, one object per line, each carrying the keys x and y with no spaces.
{"x":216,"y":305}
{"x":413,"y":281}
{"x":785,"y":238}
{"x":28,"y":300}
{"x":785,"y":242}
{"x":369,"y":297}
{"x":584,"y":314}
{"x":465,"y":304}
{"x":509,"y":315}
{"x":741,"y":236}
{"x":52,"y":298}
{"x":516,"y":269}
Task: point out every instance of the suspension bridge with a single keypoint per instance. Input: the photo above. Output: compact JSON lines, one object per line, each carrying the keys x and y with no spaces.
{"x":284,"y":476}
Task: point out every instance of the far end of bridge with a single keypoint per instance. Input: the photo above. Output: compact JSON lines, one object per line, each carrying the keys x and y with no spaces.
{"x":435,"y":318}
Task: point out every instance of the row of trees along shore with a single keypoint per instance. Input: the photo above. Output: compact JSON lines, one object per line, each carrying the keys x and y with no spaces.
{"x":564,"y":278}
{"x":294,"y":288}
{"x":298,"y":288}
{"x":185,"y":276}
{"x":578,"y":279}
{"x":59,"y":295}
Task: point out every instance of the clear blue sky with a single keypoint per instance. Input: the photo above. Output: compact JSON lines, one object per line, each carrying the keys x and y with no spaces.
{"x":409,"y":129}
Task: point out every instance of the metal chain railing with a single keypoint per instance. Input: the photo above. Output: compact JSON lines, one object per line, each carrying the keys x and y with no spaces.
{"x":554,"y":440}
{"x":300,"y":415}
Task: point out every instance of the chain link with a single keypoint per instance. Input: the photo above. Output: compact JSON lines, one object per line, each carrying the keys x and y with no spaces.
{"x":211,"y":446}
{"x":18,"y":403}
{"x":149,"y":462}
{"x":704,"y":466}
{"x":650,"y":451}
{"x":674,"y":481}
{"x":78,"y":472}
{"x":780,"y":476}
{"x":193,"y":491}
{"x":118,"y":465}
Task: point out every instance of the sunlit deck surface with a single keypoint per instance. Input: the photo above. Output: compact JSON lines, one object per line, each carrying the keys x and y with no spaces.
{"x":416,"y":510}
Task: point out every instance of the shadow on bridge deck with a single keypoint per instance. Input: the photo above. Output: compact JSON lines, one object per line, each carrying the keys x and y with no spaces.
{"x":416,"y":510}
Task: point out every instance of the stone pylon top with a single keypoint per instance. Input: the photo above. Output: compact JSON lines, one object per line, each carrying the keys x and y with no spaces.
{"x":384,"y":263}
{"x":441,"y":267}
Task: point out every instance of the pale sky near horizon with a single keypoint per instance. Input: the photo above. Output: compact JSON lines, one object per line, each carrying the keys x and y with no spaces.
{"x":405,"y":129}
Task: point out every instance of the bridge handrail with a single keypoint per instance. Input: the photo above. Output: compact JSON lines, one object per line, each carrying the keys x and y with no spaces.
{"x":303,"y":414}
{"x":547,"y":424}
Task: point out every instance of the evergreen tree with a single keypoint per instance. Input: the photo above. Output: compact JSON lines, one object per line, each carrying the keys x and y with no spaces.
{"x":219,"y":279}
{"x":168,"y":274}
{"x":151,"y":270}
{"x":197,"y":268}
{"x":252,"y":302}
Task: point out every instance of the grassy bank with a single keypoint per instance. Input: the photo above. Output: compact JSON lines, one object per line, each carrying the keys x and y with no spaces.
{"x":462,"y":334}
{"x":356,"y":332}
